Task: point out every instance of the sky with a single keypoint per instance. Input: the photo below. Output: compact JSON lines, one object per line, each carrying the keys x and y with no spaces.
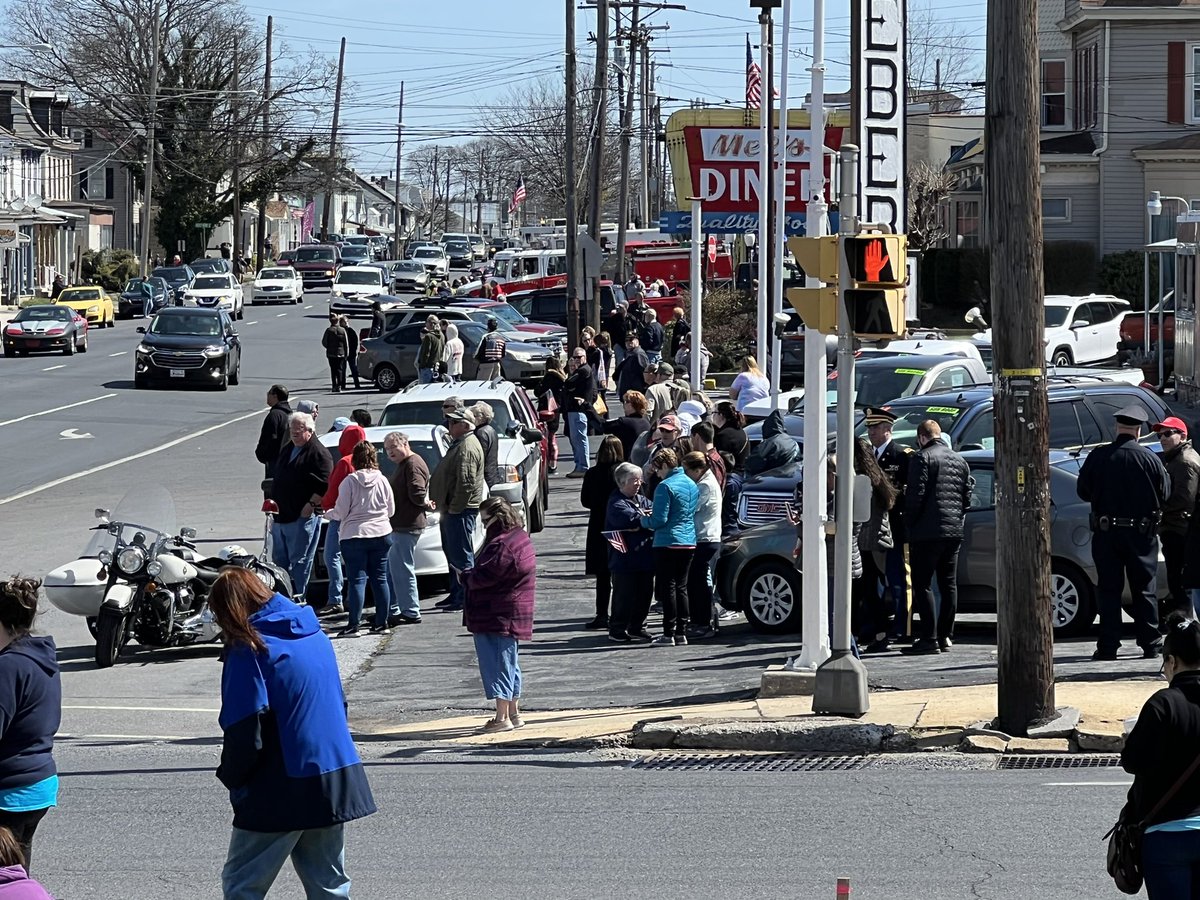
{"x":459,"y":57}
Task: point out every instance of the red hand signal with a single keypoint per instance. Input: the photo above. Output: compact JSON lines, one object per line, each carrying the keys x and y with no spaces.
{"x":874,"y":259}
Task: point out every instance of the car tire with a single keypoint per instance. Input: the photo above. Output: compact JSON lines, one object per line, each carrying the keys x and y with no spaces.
{"x":1062,"y":357}
{"x":140,"y":382}
{"x":112,"y":322}
{"x":236,"y":375}
{"x":386,"y":378}
{"x":10,"y":351}
{"x":537,"y":516}
{"x":69,"y":350}
{"x":769,"y":595}
{"x":223,"y":384}
{"x":1072,"y":600}
{"x":83,"y":347}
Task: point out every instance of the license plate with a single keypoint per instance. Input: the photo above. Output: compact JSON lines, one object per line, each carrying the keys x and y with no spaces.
{"x":177,"y":373}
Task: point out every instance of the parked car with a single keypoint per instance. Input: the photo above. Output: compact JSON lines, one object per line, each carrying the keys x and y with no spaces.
{"x":48,"y":327}
{"x":434,"y":259}
{"x":1133,"y":329}
{"x":521,"y":446}
{"x":212,"y":265}
{"x":92,"y":302}
{"x":380,"y":245}
{"x":1080,"y":416}
{"x":507,"y":314}
{"x":460,"y":254}
{"x":756,"y":572}
{"x":132,"y":299}
{"x":178,"y":279}
{"x":1078,"y":329}
{"x":316,"y":263}
{"x":277,"y":284}
{"x":408,"y":275}
{"x":391,"y":360}
{"x":189,"y":345}
{"x":478,"y":246}
{"x":398,"y":315}
{"x":501,"y":243}
{"x":549,"y":305}
{"x":219,"y":291}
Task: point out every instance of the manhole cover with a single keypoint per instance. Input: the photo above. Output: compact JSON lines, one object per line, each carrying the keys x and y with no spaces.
{"x":750,"y":762}
{"x":1064,"y":761}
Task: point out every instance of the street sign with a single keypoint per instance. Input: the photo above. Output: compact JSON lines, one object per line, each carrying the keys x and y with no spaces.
{"x":204,"y":225}
{"x":593,"y":256}
{"x":712,"y":248}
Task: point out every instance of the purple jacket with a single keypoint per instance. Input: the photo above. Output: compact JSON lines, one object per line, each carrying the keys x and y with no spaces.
{"x":501,"y":587}
{"x":16,"y":885}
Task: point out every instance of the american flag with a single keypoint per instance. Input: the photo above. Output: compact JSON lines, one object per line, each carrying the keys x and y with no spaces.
{"x":753,"y":80}
{"x":518,"y":196}
{"x":617,"y":540}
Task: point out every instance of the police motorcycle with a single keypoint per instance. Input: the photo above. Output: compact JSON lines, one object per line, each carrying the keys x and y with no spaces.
{"x":140,"y":577}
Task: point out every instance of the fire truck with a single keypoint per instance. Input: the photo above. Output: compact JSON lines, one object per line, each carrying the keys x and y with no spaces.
{"x":527,"y":270}
{"x":672,"y":263}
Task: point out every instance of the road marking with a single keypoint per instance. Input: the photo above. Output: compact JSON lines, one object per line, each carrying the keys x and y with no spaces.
{"x":72,"y":434}
{"x":255,"y":322}
{"x":46,"y":412}
{"x":67,"y":479}
{"x":67,"y":736}
{"x":52,"y":368}
{"x":280,"y":315}
{"x":188,"y":709}
{"x":118,"y":353}
{"x":1088,"y":783}
{"x":309,"y":306}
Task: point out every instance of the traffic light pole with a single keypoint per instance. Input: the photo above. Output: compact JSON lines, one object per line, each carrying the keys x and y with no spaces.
{"x":841,"y":683}
{"x":779,"y":192}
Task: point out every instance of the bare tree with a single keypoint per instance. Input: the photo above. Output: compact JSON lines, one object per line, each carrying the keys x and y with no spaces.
{"x":101,"y":54}
{"x":942,"y":54}
{"x":928,"y":187}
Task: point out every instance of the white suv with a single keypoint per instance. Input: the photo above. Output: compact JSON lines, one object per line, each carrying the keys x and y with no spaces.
{"x":355,"y":288}
{"x":1078,"y":329}
{"x":521,"y":448}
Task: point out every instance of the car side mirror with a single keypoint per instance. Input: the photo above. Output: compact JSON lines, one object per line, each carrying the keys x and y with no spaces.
{"x":1080,"y":323}
{"x":141,"y":329}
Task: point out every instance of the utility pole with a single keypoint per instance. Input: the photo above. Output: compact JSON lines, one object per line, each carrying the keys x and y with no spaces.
{"x":1025,"y":663}
{"x":260,"y":242}
{"x":571,"y":211}
{"x":236,"y":169}
{"x":647,"y":87}
{"x":396,"y":180}
{"x":446,"y":196}
{"x":479,"y":199}
{"x":337,"y":108}
{"x":148,"y":175}
{"x":597,"y":167}
{"x":626,"y":137}
{"x":433,"y":198}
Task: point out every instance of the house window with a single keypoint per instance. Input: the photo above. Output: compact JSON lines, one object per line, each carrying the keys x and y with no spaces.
{"x":1054,"y":93}
{"x":1056,"y":209}
{"x":1087,"y":86}
{"x":967,"y":223}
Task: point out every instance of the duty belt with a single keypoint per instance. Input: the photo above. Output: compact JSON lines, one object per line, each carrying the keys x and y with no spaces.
{"x":1107,"y":523}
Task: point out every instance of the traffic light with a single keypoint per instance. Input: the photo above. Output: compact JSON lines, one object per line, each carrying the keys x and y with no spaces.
{"x":818,"y":257}
{"x":878,"y":267}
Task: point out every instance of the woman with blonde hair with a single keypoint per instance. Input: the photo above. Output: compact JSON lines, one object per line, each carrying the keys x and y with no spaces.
{"x":750,"y":385}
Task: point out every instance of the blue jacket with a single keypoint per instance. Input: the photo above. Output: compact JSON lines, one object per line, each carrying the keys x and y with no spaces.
{"x":30,"y":711}
{"x":673,"y":520}
{"x":288,"y":759}
{"x":625,"y":515}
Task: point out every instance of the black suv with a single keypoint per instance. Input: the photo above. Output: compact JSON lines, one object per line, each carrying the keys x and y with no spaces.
{"x":188,"y":345}
{"x":1081,"y":416}
{"x":549,"y":305}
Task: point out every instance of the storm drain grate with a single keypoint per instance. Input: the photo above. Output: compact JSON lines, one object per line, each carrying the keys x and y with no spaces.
{"x":1064,"y":761}
{"x":750,"y":762}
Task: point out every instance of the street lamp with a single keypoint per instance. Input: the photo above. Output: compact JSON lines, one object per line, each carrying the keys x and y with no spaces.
{"x":1154,"y":209}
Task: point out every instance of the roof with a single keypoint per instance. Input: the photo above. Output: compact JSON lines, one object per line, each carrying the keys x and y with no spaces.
{"x":972,"y":395}
{"x":913,"y":361}
{"x":1185,"y":142}
{"x":439,"y":390}
{"x":1078,"y":143}
{"x":376,"y":433}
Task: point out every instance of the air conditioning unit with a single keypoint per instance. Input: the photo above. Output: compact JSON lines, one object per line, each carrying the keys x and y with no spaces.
{"x":77,"y":135}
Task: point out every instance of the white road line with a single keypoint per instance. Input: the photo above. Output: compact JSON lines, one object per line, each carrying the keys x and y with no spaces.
{"x":309,"y":306}
{"x":52,"y":368}
{"x":1088,"y":783}
{"x":184,"y":709}
{"x":46,"y":412}
{"x":255,"y":322}
{"x":67,"y":479}
{"x":66,"y":736}
{"x":118,"y":353}
{"x":280,"y":315}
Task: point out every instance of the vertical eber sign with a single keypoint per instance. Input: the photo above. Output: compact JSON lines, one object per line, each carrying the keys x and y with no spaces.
{"x":879,"y":32}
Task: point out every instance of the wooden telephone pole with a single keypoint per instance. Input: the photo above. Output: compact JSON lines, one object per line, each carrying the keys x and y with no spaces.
{"x":1012,"y":184}
{"x":572,"y":206}
{"x":260,"y":241}
{"x":599,"y":126}
{"x":337,"y":108}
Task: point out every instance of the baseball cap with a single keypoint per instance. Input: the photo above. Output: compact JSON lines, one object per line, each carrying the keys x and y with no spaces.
{"x":669,"y":422}
{"x":1134,"y":414}
{"x":460,"y":414}
{"x":1172,"y":423}
{"x":665,"y":368}
{"x":307,"y":406}
{"x":340,"y":423}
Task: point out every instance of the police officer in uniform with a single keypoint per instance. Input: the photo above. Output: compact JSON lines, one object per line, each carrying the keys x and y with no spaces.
{"x":893,"y":459}
{"x":1126,"y":485}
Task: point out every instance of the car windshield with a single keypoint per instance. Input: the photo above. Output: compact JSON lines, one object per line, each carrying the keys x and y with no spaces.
{"x":210,"y":282}
{"x":427,"y":450}
{"x":909,"y":416}
{"x":37,"y":313}
{"x":876,"y":385}
{"x":428,"y":252}
{"x":408,"y":267}
{"x":315,"y":254}
{"x":372,"y":278}
{"x":358,"y":240}
{"x":458,"y":246}
{"x":276,"y":274}
{"x":80,"y":294}
{"x":429,"y":412}
{"x":506,"y":313}
{"x":207,"y":265}
{"x":355,"y":251}
{"x":1056,"y":316}
{"x":172,"y":275}
{"x":200,"y":325}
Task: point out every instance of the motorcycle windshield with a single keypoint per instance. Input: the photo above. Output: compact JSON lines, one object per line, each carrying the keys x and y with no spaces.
{"x":149,"y":509}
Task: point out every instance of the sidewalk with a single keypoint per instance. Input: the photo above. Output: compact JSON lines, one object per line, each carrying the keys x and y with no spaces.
{"x":938,"y":718}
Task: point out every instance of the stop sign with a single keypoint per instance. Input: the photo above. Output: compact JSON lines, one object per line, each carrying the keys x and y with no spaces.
{"x":712,"y":248}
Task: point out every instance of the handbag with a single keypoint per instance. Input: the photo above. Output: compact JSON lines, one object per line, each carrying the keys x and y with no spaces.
{"x":547,"y":407}
{"x":1125,"y":839}
{"x":600,"y":406}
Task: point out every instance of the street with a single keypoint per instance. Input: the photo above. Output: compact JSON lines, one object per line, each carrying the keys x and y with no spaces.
{"x":141,"y":814}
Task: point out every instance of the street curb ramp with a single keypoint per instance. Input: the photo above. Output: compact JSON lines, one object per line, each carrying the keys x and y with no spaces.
{"x":811,"y":735}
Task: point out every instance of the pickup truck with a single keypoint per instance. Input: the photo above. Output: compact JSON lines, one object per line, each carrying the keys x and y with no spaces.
{"x":1133,"y":327}
{"x":317,"y":264}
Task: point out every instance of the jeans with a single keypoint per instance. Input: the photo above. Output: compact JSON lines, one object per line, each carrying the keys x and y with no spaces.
{"x":700,"y":583}
{"x":1174,"y":551}
{"x":367,"y":558}
{"x":23,"y":825}
{"x":630,"y":601}
{"x":333,"y":563}
{"x":1119,"y":554}
{"x":499,"y":668}
{"x":402,"y":563}
{"x":940,"y":558}
{"x":293,"y":547}
{"x":898,"y":582}
{"x":671,"y":566}
{"x":458,"y":543}
{"x":1171,"y":864}
{"x":337,"y":372}
{"x":426,"y":376}
{"x":353,"y":361}
{"x":255,"y":857}
{"x":577,"y":431}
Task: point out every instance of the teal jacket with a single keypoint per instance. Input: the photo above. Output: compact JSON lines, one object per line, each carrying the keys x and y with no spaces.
{"x":673,"y":519}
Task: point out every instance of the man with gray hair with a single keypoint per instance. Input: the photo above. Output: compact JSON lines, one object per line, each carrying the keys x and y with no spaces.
{"x":651,"y":335}
{"x":456,"y":489}
{"x":301,"y":477}
{"x":410,"y":487}
{"x":489,"y":440}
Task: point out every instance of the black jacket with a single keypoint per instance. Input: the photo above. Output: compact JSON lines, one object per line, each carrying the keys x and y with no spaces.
{"x":335,"y":342}
{"x":631,"y":373}
{"x":627,"y":429}
{"x":778,"y":448}
{"x":894,"y":461}
{"x":1163,"y":743}
{"x":1183,"y":465}
{"x":733,"y":440}
{"x":938,"y":493}
{"x":616,"y":326}
{"x":1123,"y":479}
{"x":273,"y":436}
{"x":651,"y":336}
{"x":30,"y":710}
{"x":679,"y":331}
{"x":296,"y":480}
{"x":489,"y":441}
{"x":377,"y":323}
{"x":594,"y":494}
{"x":580,"y":389}
{"x":552,"y":382}
{"x":351,"y":341}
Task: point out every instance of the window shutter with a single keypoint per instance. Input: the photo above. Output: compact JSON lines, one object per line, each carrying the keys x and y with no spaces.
{"x":83,"y":185}
{"x":108,"y":183}
{"x":1176,"y":81}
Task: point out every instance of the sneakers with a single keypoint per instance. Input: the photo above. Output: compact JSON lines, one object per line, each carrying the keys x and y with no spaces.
{"x":1104,"y":656}
{"x":921,"y":647}
{"x":681,"y":640}
{"x":665,"y":640}
{"x":597,"y":624}
{"x":380,"y":629}
{"x":397,"y":621}
{"x":350,"y":631}
{"x":945,"y":644}
{"x":619,"y":638}
{"x":492,"y":726}
{"x":336,"y":610}
{"x":701,"y":632}
{"x":727,"y":615}
{"x":640,"y":636}
{"x":552,"y":470}
{"x":516,"y":720}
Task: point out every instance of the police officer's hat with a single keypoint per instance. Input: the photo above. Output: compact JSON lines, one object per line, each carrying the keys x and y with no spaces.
{"x":1134,"y":414}
{"x":876,"y":415}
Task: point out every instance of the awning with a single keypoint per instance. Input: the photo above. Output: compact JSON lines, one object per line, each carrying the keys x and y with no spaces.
{"x":1167,"y":246}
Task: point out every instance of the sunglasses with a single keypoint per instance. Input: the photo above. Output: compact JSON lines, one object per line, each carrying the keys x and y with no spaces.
{"x":1167,"y":432}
